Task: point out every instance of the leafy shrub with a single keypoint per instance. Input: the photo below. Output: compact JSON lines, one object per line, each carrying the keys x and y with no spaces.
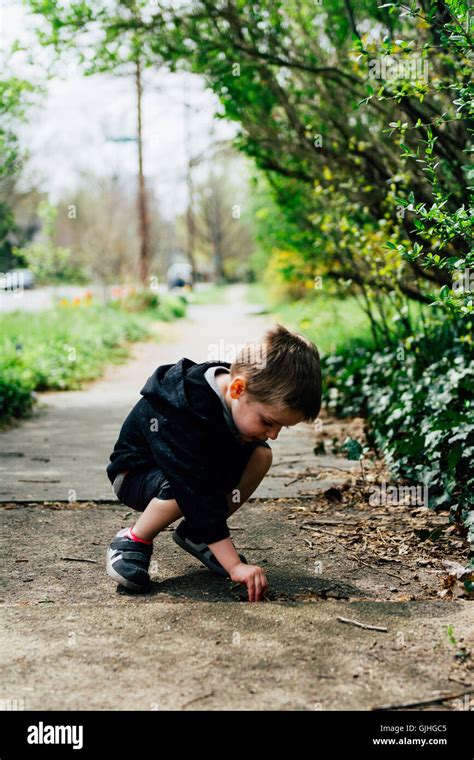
{"x":16,"y":398}
{"x":166,"y":307}
{"x":60,"y":349}
{"x":69,"y":344}
{"x":418,"y":399}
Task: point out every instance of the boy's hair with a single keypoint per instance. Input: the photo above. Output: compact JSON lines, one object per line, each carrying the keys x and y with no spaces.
{"x":284,"y":369}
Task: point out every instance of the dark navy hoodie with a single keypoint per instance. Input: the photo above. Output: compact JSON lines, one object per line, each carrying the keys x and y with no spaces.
{"x":179,"y":426}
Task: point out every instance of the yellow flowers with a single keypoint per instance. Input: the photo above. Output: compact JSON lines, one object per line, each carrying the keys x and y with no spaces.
{"x":84,"y":300}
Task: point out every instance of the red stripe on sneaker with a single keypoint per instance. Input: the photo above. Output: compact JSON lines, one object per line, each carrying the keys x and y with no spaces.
{"x":135,"y":538}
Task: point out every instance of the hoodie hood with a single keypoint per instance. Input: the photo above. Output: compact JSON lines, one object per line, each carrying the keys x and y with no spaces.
{"x":179,"y":386}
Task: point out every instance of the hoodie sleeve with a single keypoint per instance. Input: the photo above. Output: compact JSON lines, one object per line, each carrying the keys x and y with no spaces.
{"x":188,"y":460}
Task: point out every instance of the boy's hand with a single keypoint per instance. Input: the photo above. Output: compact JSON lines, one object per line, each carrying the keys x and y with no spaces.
{"x":253,"y":577}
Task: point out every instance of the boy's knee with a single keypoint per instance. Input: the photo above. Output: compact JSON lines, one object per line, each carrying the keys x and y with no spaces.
{"x":264,"y":456}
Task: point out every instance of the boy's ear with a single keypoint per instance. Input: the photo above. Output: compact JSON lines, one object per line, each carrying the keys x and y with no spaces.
{"x":237,"y":387}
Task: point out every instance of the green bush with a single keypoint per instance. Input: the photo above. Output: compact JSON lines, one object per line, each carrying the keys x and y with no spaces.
{"x":63,"y":347}
{"x":60,"y":349}
{"x":165,"y":307}
{"x":16,"y":397}
{"x":419,"y":402}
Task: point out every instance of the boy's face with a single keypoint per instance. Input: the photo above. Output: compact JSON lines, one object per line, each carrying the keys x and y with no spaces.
{"x":255,"y":420}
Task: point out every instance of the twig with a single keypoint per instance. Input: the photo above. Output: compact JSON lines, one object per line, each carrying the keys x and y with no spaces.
{"x":381,"y":537}
{"x":372,"y":567}
{"x":331,"y":522}
{"x":361,"y":561}
{"x":422,"y":702}
{"x":456,"y":680}
{"x":22,"y":480}
{"x":363,"y":625}
{"x":79,"y":559}
{"x":333,"y":467}
{"x":321,"y":530}
{"x":300,"y":477}
{"x":204,"y":696}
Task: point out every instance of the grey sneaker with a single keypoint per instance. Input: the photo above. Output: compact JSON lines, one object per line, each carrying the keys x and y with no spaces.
{"x":128,"y":562}
{"x":201,"y":551}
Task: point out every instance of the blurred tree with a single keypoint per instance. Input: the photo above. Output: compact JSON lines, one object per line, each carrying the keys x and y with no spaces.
{"x":99,"y":224}
{"x":223,"y":228}
{"x":15,"y":96}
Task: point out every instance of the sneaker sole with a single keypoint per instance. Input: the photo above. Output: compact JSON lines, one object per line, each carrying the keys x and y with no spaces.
{"x":178,"y":540}
{"x":119,"y":578}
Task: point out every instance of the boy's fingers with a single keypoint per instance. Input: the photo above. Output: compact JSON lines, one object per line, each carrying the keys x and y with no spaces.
{"x":256,"y":586}
{"x":250,"y":588}
{"x":256,"y":590}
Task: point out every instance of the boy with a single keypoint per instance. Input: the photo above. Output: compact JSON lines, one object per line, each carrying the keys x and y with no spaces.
{"x":195,"y":445}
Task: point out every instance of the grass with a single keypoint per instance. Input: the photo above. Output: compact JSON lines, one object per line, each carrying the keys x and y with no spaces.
{"x":256,"y":294}
{"x":211,"y":294}
{"x":331,"y":322}
{"x":63,"y":347}
{"x":328,"y":321}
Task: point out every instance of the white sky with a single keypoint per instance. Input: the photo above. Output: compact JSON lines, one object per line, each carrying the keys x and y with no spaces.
{"x":67,"y":133}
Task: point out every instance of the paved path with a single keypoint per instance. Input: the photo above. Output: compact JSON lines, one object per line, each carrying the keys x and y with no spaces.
{"x":61,"y":453}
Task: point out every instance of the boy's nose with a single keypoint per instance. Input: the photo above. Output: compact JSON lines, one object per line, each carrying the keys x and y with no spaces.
{"x":274,"y":435}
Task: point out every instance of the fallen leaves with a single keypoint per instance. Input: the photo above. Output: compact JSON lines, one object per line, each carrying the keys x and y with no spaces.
{"x":342,"y":518}
{"x":458,"y":583}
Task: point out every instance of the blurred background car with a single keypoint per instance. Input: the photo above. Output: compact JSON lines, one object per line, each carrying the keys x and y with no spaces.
{"x":180,"y":275}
